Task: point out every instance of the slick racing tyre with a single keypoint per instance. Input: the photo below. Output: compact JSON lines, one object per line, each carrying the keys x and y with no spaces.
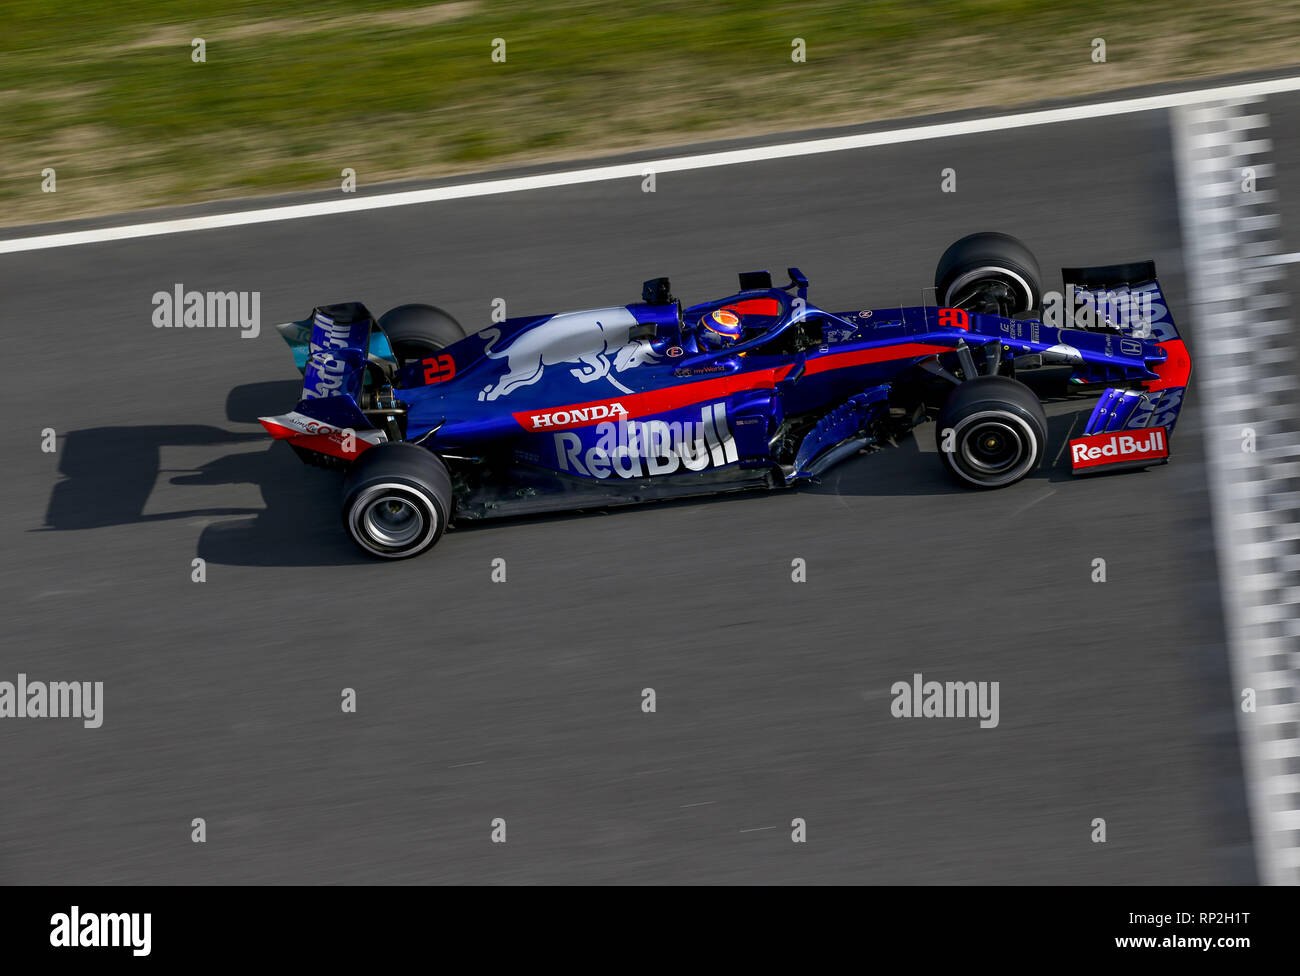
{"x":991,"y":270}
{"x":416,"y":331}
{"x":396,"y":500}
{"x":992,"y":432}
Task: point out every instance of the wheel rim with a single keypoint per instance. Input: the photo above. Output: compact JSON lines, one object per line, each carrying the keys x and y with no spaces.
{"x":995,"y":448}
{"x":393,"y":520}
{"x":1001,"y":273}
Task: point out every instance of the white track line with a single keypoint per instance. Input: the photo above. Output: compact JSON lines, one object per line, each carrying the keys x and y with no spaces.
{"x":1247,"y":379}
{"x":676,"y":164}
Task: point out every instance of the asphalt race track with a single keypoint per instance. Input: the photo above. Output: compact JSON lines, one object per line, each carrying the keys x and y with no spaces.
{"x":522,"y":700}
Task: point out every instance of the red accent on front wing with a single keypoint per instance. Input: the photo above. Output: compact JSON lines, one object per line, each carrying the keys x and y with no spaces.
{"x":686,"y":394}
{"x":1175,"y":370}
{"x":1124,"y":446}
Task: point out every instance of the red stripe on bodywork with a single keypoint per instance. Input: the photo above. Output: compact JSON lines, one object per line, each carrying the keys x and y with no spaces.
{"x":1175,"y":370}
{"x":881,"y":354}
{"x":656,"y":401}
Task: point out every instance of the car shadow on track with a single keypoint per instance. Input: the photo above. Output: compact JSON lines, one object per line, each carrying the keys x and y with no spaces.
{"x":300,"y":524}
{"x":109,"y":474}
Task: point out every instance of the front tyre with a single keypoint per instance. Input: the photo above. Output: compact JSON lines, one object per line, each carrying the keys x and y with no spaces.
{"x":992,"y":432}
{"x":989,"y":272}
{"x":396,"y":500}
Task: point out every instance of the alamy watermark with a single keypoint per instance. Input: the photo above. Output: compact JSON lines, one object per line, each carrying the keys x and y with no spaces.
{"x":946,"y":699}
{"x":1081,"y":308}
{"x":181,"y":309}
{"x":53,"y":699}
{"x":75,"y":929}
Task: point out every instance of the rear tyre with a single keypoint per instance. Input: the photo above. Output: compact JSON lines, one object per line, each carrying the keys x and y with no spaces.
{"x":990,"y":270}
{"x":396,"y":500}
{"x":991,"y":432}
{"x":417,"y":331}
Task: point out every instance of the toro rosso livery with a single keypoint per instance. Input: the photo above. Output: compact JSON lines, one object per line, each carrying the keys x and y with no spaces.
{"x":759,"y":389}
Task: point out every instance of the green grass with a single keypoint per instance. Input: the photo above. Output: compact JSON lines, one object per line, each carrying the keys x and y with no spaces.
{"x":295,"y":90}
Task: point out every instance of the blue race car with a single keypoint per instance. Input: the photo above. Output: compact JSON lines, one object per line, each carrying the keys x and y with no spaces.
{"x":759,"y":389}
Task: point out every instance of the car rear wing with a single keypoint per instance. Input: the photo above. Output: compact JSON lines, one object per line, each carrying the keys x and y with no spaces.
{"x":332,"y":349}
{"x":1131,"y":428}
{"x":346,"y":332}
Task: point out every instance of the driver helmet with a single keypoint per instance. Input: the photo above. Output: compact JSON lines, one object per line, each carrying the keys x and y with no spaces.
{"x":720,"y":329}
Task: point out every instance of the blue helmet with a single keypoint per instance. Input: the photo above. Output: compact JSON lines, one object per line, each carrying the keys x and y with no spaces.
{"x":720,"y":329}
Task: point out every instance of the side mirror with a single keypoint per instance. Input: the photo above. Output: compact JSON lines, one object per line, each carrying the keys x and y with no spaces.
{"x":657,"y":291}
{"x":799,"y":281}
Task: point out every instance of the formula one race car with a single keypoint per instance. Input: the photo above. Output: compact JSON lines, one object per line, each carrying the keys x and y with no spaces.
{"x":760,"y":389}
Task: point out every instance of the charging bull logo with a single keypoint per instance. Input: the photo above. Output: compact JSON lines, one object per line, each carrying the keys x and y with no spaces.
{"x":597,"y":342}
